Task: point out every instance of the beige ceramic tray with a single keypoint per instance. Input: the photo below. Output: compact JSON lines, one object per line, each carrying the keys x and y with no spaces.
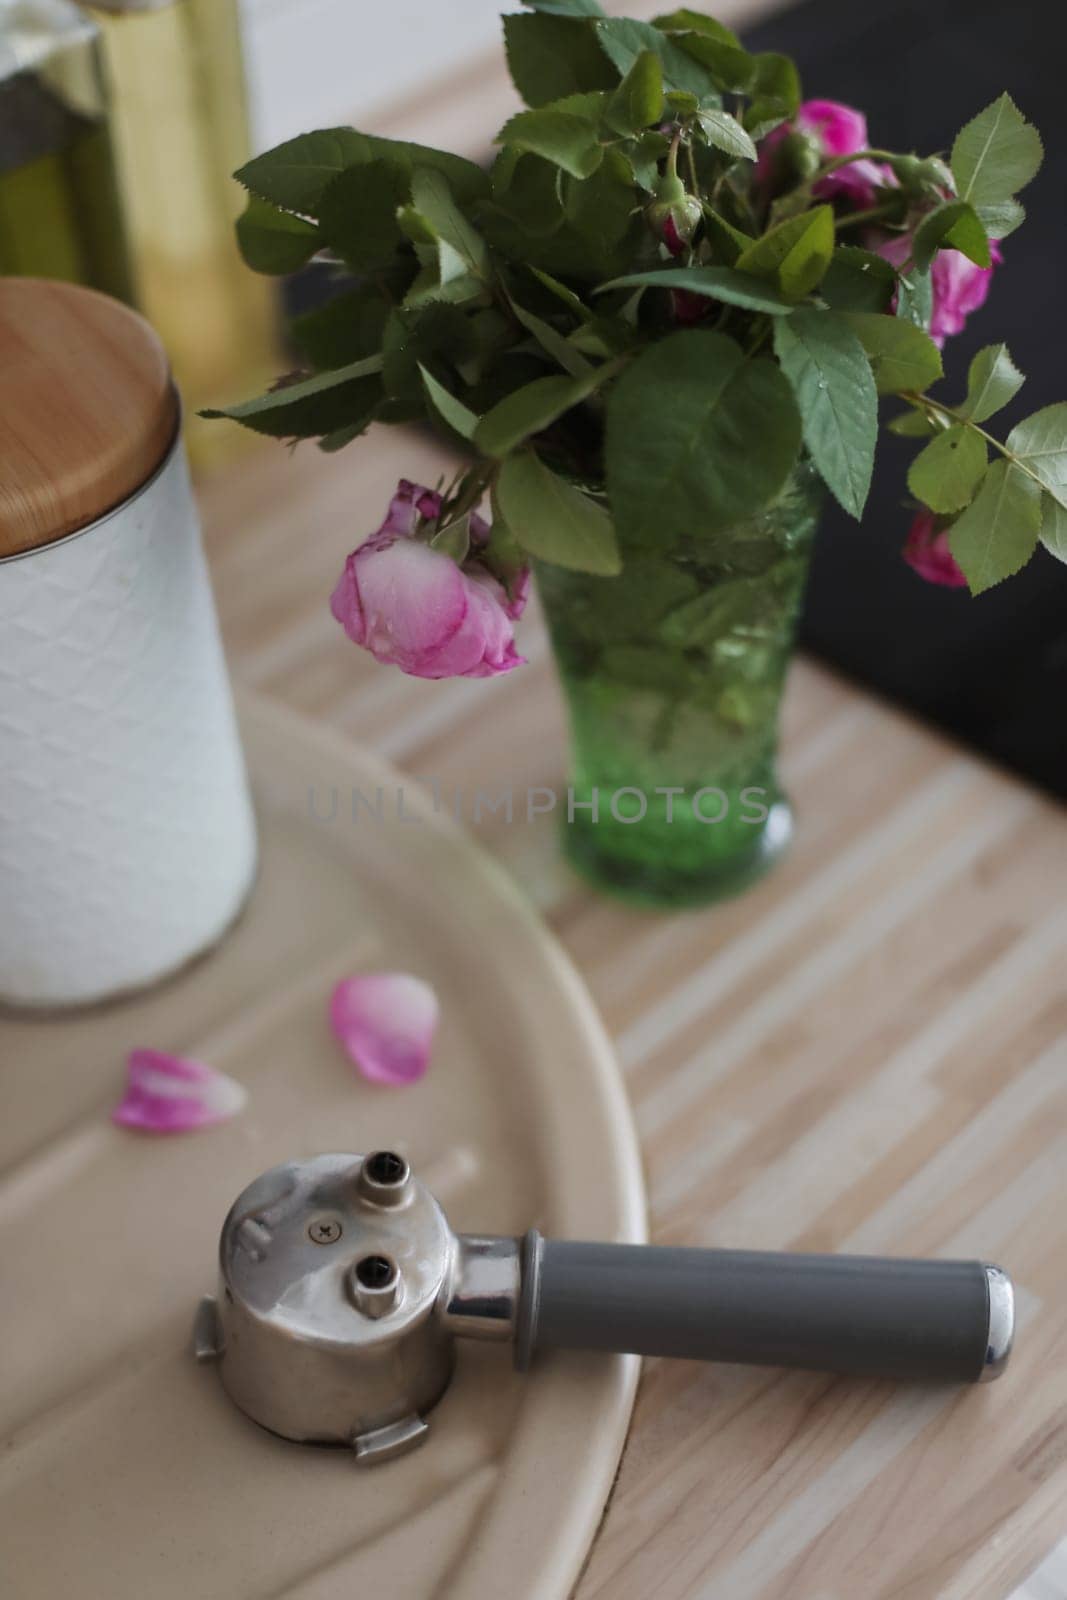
{"x":126,"y":1473}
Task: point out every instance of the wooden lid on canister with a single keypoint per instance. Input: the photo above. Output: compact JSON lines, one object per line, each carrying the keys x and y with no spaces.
{"x":87,"y":408}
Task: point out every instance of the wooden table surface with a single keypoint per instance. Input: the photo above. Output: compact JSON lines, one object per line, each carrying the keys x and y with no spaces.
{"x":866,"y":1052}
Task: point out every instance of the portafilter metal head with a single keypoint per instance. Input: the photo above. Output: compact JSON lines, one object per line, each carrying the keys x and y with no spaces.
{"x":342,"y":1289}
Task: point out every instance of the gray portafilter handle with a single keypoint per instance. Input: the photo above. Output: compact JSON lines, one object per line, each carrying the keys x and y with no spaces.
{"x":861,"y":1315}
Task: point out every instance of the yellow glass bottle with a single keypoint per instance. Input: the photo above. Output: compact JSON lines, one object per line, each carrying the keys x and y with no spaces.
{"x":59,"y":207}
{"x":180,"y":127}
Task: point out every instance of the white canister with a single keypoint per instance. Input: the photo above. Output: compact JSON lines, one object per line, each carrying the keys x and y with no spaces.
{"x":127,"y":837}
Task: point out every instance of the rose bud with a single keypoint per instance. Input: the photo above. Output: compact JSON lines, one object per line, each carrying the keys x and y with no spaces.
{"x":412,"y":607}
{"x":929,"y":178}
{"x":674,"y":215}
{"x":927,"y":552}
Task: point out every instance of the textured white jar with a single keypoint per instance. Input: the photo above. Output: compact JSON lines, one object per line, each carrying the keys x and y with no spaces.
{"x":127,"y":837}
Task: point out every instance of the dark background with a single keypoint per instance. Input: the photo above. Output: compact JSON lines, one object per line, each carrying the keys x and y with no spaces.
{"x":992,"y":670}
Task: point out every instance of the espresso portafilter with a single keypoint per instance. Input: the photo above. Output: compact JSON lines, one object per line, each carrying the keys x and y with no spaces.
{"x":343,"y":1289}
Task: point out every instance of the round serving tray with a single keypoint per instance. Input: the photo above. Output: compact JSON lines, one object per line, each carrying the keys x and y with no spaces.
{"x":126,"y":1471}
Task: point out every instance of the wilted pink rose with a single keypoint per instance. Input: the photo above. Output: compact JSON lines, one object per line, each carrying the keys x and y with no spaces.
{"x":959,"y":287}
{"x":927,"y":551}
{"x":171,"y":1094}
{"x":386,"y":1022}
{"x":414,"y":608}
{"x":837,"y":130}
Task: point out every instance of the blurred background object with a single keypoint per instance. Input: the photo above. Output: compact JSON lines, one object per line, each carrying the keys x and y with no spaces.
{"x":59,"y":207}
{"x":122,"y":122}
{"x":127,"y":836}
{"x":312,"y":63}
{"x":180,"y":127}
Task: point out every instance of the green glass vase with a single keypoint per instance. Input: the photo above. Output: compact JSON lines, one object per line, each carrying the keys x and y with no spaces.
{"x":673,"y":674}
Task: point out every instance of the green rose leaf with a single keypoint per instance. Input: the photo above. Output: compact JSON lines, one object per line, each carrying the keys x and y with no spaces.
{"x":912,"y":425}
{"x":553,"y":54}
{"x":996,"y":154}
{"x":623,"y":40}
{"x":915,"y":298}
{"x":345,"y":329}
{"x":834,"y":387}
{"x":274,"y":241}
{"x":718,"y":283}
{"x":685,"y":20}
{"x":603,"y":208}
{"x":566,"y":8}
{"x":294,"y":175}
{"x":562,"y":293}
{"x":562,"y":137}
{"x":552,"y":342}
{"x":460,"y":248}
{"x":795,"y":254}
{"x":902,"y":356}
{"x":946,"y":474}
{"x":553,"y":520}
{"x":526,"y":189}
{"x":1054,"y":527}
{"x":713,"y":45}
{"x":644,"y":156}
{"x":775,"y":91}
{"x":436,"y":336}
{"x":730,"y":66}
{"x":698,"y":437}
{"x":339,"y":437}
{"x":1041,"y":442}
{"x":992,"y":380}
{"x":638,"y":101}
{"x":314,"y":406}
{"x":428,"y":289}
{"x":858,"y":280}
{"x":1001,"y":217}
{"x":458,"y":416}
{"x":454,"y":540}
{"x":954,"y":224}
{"x":726,"y":133}
{"x":357,"y":214}
{"x":727,"y":241}
{"x":529,"y":410}
{"x":997,"y":534}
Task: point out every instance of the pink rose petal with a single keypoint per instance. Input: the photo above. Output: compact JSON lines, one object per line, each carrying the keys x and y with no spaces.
{"x":166,"y":1094}
{"x":386,"y":1023}
{"x":927,"y":552}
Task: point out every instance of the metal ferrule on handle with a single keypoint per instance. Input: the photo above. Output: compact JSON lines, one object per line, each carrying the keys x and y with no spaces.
{"x":862,"y":1315}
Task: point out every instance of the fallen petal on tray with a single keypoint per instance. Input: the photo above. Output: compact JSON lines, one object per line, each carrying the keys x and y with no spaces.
{"x":386,"y":1022}
{"x":168,"y":1094}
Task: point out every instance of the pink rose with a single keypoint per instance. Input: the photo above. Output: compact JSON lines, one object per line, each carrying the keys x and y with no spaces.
{"x":959,"y":287}
{"x":927,"y":552}
{"x":836,"y":130}
{"x":414,"y":608}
